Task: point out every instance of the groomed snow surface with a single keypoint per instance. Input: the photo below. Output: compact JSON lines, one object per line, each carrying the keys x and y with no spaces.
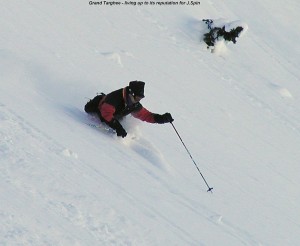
{"x":63,"y":182}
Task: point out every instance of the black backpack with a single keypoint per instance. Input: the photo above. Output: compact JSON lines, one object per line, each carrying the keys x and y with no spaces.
{"x":93,"y":104}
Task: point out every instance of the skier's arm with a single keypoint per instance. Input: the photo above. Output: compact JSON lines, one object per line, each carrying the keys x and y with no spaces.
{"x":145,"y":115}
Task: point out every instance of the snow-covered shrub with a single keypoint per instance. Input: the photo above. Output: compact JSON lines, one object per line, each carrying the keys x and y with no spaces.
{"x":219,"y":30}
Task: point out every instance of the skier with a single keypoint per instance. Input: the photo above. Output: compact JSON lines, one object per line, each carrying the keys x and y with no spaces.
{"x":112,"y":107}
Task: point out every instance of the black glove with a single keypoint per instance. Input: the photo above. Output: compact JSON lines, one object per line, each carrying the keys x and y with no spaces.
{"x":165,"y":118}
{"x":121,"y":132}
{"x":115,"y":124}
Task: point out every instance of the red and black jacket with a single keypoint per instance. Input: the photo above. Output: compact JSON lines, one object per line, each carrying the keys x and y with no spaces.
{"x":117,"y":104}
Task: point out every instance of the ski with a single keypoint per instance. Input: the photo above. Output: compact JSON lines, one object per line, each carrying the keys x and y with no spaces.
{"x":101,"y":127}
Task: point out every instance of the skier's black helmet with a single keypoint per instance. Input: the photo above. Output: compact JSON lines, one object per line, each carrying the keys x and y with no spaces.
{"x":136,"y":88}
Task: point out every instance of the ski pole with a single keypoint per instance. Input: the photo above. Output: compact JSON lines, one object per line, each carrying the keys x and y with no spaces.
{"x":209,"y":188}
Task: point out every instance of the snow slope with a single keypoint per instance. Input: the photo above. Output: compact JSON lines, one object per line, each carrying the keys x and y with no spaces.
{"x":63,"y":182}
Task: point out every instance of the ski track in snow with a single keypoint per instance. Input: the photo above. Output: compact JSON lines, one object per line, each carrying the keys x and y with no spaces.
{"x":147,"y":150}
